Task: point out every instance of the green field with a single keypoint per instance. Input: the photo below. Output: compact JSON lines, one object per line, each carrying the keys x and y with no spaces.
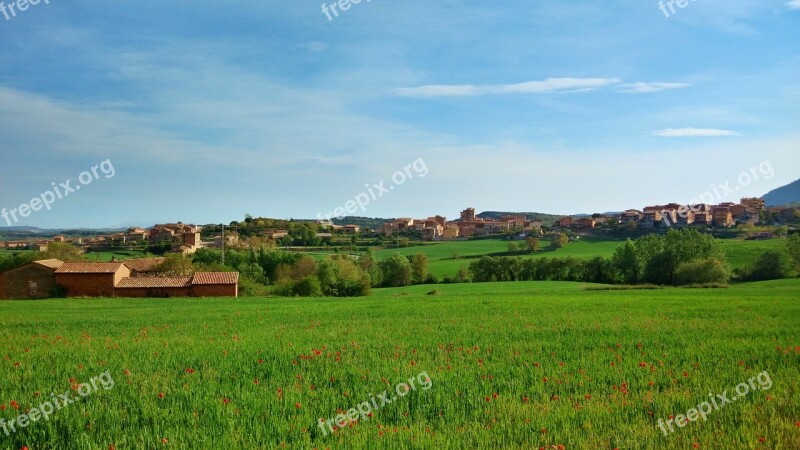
{"x":513,"y":365}
{"x":441,"y":262}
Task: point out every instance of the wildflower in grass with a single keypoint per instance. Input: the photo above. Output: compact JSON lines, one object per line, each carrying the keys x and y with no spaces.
{"x":190,"y":370}
{"x":797,"y":424}
{"x":297,"y":405}
{"x":225,"y":400}
{"x":695,"y":445}
{"x":525,"y":399}
{"x":126,"y":372}
{"x":255,"y":381}
{"x":762,"y":439}
{"x":164,"y":441}
{"x":488,"y":399}
{"x":161,"y":395}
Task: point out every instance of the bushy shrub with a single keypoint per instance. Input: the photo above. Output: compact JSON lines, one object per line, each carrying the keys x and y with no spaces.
{"x":769,"y":266}
{"x":701,"y":272}
{"x":307,"y":287}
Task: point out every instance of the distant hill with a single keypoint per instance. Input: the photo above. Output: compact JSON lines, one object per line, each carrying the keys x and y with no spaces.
{"x":22,"y":233}
{"x":783,"y":195}
{"x":363,"y":222}
{"x":546,"y":219}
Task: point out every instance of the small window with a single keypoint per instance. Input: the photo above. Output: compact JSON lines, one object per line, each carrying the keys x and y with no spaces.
{"x":33,"y":289}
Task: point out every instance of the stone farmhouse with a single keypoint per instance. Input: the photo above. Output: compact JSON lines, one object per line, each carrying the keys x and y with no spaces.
{"x":41,"y":279}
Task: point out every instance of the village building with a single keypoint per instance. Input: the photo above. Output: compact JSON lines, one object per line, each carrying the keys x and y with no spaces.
{"x":32,"y":281}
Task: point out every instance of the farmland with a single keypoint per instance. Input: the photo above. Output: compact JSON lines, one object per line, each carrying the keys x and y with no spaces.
{"x":513,"y":365}
{"x":448,"y":257}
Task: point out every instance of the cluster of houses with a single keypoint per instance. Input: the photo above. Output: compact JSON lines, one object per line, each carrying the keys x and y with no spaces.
{"x":129,"y":279}
{"x":468,"y":225}
{"x":723,"y":215}
{"x":181,"y":238}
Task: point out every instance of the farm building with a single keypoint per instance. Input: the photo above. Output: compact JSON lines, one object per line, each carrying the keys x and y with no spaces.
{"x":91,"y":279}
{"x":41,"y":278}
{"x":35,"y":280}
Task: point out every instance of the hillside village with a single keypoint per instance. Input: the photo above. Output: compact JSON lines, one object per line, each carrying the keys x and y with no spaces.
{"x":724,"y":215}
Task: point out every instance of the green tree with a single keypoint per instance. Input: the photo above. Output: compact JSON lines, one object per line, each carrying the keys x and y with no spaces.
{"x":533,"y":244}
{"x":794,"y":249}
{"x":769,"y":266}
{"x":396,"y":271}
{"x":64,"y":252}
{"x":559,"y":241}
{"x":701,"y":271}
{"x":626,"y":263}
{"x":419,"y":268}
{"x":513,"y":247}
{"x":307,"y":287}
{"x":175,"y":265}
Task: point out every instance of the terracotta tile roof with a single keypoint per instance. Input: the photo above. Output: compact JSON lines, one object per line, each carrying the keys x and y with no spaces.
{"x":89,"y":267}
{"x":143,"y":264}
{"x":154,"y":282}
{"x":51,"y":263}
{"x":216,"y":278}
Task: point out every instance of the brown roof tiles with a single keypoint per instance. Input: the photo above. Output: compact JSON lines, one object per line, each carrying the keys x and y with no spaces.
{"x":216,"y":278}
{"x":89,"y":267}
{"x":153,"y":282}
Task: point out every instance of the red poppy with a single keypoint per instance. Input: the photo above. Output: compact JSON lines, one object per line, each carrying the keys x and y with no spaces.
{"x":226,"y":400}
{"x":696,"y":445}
{"x":190,"y":370}
{"x":494,"y":395}
{"x":488,"y":399}
{"x":160,"y":395}
{"x":297,"y":405}
{"x":164,"y":441}
{"x":524,"y":399}
{"x":762,"y":440}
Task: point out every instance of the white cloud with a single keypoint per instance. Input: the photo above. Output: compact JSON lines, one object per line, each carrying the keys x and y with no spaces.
{"x":547,"y":86}
{"x":793,"y":4}
{"x":646,"y":88}
{"x":694,"y":132}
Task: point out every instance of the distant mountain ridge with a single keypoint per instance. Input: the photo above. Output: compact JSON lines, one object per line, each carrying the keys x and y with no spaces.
{"x":783,"y":195}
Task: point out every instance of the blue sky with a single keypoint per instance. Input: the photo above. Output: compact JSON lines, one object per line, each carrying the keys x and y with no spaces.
{"x":210,"y":110}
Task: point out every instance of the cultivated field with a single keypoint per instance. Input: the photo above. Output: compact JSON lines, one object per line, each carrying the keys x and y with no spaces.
{"x":515,"y":365}
{"x":441,"y":259}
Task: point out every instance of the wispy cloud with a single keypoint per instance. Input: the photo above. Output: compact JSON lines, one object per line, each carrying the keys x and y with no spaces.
{"x":646,"y":88}
{"x":793,"y":4}
{"x":547,"y":86}
{"x":694,"y":132}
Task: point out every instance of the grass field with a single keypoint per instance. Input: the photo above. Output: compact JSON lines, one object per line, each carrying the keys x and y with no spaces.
{"x":441,"y":262}
{"x":514,"y":365}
